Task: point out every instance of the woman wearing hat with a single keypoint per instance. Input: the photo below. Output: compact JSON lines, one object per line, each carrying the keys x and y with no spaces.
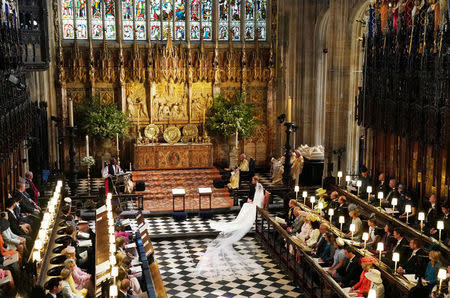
{"x":362,"y":287}
{"x":375,"y":282}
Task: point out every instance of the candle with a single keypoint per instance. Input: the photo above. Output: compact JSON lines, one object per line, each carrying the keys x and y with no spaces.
{"x":394,"y":203}
{"x":442,"y":274}
{"x":87,"y":145}
{"x":380,"y":248}
{"x":395,"y":258}
{"x":237,"y":135}
{"x":289,"y":110}
{"x":421,"y":217}
{"x":440,"y":227}
{"x":130,"y":166}
{"x":372,"y":294}
{"x":365,"y":237}
{"x":352,"y":229}
{"x":296,"y":189}
{"x":341,"y":220}
{"x":70,"y":111}
{"x":117,"y":142}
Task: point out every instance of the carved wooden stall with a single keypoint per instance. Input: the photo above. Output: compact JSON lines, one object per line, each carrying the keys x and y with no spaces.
{"x":404,"y":103}
{"x":170,"y":83}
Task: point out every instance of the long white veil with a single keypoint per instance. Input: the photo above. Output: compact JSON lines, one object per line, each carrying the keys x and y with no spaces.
{"x":221,"y":260}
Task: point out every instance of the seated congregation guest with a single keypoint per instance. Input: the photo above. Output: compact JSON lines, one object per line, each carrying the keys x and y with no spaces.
{"x":321,"y":242}
{"x":322,"y":194}
{"x":8,"y":288}
{"x":401,"y":198}
{"x":354,"y":214}
{"x":27,"y":205}
{"x":14,"y":223}
{"x":297,"y":223}
{"x":31,"y":189}
{"x":338,"y":257}
{"x":333,"y":201}
{"x":414,"y":264}
{"x":123,"y":288}
{"x":446,"y":219}
{"x":120,"y":231}
{"x":433,"y":267}
{"x":313,"y":234}
{"x":124,"y":263}
{"x":327,"y":254}
{"x":376,"y":283}
{"x":81,"y":279}
{"x":349,"y":273}
{"x":374,"y":237}
{"x":291,"y":217}
{"x":366,"y":181}
{"x":381,"y":187}
{"x":24,"y":221}
{"x":13,"y":242}
{"x":341,"y":210}
{"x":68,"y":286}
{"x":306,"y":227}
{"x":408,"y":201}
{"x":54,"y":288}
{"x":431,"y":215}
{"x":388,"y":239}
{"x":121,"y":246}
{"x":362,"y":287}
{"x":66,"y":213}
{"x":401,"y":247}
{"x":393,"y":193}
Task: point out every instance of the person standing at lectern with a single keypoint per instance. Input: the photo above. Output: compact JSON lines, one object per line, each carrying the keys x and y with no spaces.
{"x":111,"y":170}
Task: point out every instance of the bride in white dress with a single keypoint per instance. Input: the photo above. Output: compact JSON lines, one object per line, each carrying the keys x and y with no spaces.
{"x":221,"y":260}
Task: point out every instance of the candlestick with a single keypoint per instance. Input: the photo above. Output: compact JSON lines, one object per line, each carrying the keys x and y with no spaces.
{"x":289,"y":110}
{"x":380,"y":248}
{"x":352,"y":229}
{"x":339,"y":174}
{"x":70,"y":111}
{"x":358,"y":184}
{"x":421,"y":217}
{"x":369,"y":190}
{"x":380,"y":197}
{"x":408,"y":210}
{"x":117,"y":143}
{"x":341,"y":220}
{"x":296,"y":189}
{"x":130,"y":166}
{"x":395,"y":258}
{"x":312,"y":200}
{"x":440,"y":227}
{"x":87,"y":145}
{"x":394,"y":203}
{"x":331,"y":213}
{"x":365,"y":237}
{"x":442,"y":274}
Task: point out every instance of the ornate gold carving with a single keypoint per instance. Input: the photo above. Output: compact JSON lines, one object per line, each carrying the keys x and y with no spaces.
{"x":136,"y":101}
{"x":151,"y":131}
{"x":190,"y":130}
{"x":169,"y":103}
{"x":172,"y":134}
{"x":201,"y":100}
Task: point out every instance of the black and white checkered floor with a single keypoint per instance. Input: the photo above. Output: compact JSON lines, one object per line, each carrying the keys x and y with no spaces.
{"x":177,"y":260}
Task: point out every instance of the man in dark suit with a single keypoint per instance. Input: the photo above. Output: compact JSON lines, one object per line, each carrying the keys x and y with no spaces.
{"x":393,"y":193}
{"x":415,"y":263}
{"x":445,"y":217}
{"x":26,"y":203}
{"x":54,"y":288}
{"x":350,"y":271}
{"x":366,"y":181}
{"x":341,"y":210}
{"x":432,"y":215}
{"x":124,"y":287}
{"x":401,"y":247}
{"x":321,"y":242}
{"x":14,"y":222}
{"x":381,"y":187}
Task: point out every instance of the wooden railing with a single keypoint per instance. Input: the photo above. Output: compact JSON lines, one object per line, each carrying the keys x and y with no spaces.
{"x":304,"y":270}
{"x":383,"y":217}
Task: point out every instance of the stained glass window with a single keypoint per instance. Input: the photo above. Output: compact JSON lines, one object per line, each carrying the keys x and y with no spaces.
{"x":261,"y":19}
{"x":235,"y":19}
{"x":127,"y":19}
{"x":81,"y":19}
{"x":67,"y":19}
{"x":110,"y":19}
{"x":97,"y":19}
{"x":207,"y":8}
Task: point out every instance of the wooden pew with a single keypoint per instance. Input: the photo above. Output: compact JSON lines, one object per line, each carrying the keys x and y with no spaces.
{"x":383,"y":217}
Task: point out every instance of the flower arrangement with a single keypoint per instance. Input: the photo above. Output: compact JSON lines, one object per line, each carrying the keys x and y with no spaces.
{"x":232,"y":116}
{"x":88,"y":161}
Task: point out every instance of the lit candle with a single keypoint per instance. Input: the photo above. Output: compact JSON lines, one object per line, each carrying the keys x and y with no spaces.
{"x":113,"y":291}
{"x":421,"y":217}
{"x":358,"y":184}
{"x":320,"y":206}
{"x":339,"y":174}
{"x":341,"y":220}
{"x":70,"y":110}
{"x":365,"y":237}
{"x":380,"y":248}
{"x":331,"y":213}
{"x":36,"y":256}
{"x":369,"y":189}
{"x":296,"y":189}
{"x":372,"y":293}
{"x":305,"y":195}
{"x":112,"y":260}
{"x":87,"y":145}
{"x":289,"y":110}
{"x":442,"y":274}
{"x":352,"y":229}
{"x":394,"y":203}
{"x":440,"y":227}
{"x":312,"y":200}
{"x":408,"y":211}
{"x":395,"y":258}
{"x":380,"y":197}
{"x":117,"y":142}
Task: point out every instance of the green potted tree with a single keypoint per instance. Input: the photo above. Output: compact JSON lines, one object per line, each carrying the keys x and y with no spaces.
{"x":233,"y":119}
{"x":101,"y":121}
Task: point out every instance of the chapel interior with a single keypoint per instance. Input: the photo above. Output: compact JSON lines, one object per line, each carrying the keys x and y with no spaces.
{"x":298,"y":148}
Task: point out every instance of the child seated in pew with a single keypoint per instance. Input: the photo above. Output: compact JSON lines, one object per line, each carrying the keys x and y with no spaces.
{"x":81,"y":279}
{"x":68,"y":286}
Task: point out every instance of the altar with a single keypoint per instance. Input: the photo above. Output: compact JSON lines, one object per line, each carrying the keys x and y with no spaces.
{"x":173,"y":156}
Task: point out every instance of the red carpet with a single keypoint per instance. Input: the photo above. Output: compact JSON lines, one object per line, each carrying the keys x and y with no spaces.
{"x":159,"y":185}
